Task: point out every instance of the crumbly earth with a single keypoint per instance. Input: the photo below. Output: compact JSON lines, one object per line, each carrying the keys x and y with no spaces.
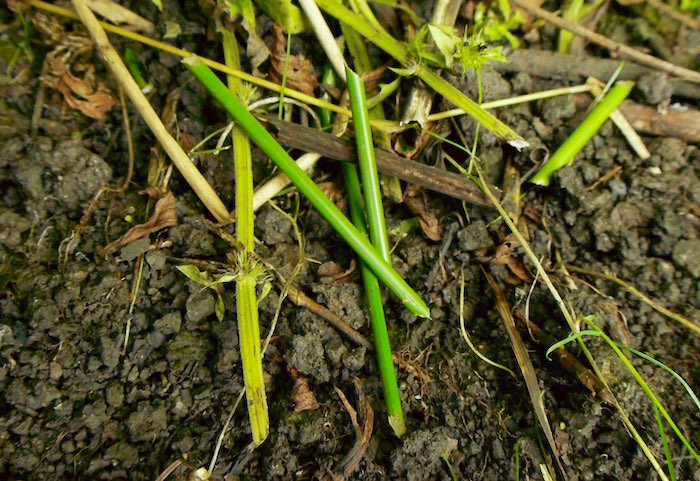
{"x":81,"y":400}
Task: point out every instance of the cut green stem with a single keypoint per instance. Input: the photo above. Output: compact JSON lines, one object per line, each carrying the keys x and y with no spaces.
{"x":306,"y":186}
{"x":392,"y":397}
{"x":391,"y":186}
{"x":584,"y":132}
{"x":368,"y":165}
{"x":380,"y":240}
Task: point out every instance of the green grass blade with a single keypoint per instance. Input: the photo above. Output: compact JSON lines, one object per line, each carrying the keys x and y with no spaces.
{"x":565,"y":341}
{"x":673,"y":373}
{"x":592,"y":333}
{"x":667,"y":447}
{"x":640,"y":380}
{"x":584,"y":132}
{"x":306,"y":186}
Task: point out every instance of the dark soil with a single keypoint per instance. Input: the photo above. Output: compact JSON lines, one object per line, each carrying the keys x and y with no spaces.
{"x":76,"y":404}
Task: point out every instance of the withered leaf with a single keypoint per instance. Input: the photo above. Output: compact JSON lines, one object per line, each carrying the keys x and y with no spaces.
{"x":333,"y":192}
{"x":329,"y":269}
{"x":78,"y":94}
{"x":300,"y":74}
{"x":335,"y":271}
{"x":428,"y":222}
{"x":163,"y":216}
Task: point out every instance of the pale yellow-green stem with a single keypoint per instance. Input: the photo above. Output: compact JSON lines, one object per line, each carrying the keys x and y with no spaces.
{"x":246,"y":299}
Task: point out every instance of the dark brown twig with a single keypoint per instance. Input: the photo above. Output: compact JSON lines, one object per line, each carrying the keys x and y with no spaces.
{"x":547,"y":64}
{"x":331,"y":147}
{"x":615,"y":47}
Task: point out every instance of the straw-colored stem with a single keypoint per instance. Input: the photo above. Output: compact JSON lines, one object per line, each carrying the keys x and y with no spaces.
{"x":325,"y":36}
{"x":183,"y":163}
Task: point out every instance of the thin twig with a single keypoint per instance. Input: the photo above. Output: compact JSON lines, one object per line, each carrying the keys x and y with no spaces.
{"x":302,"y":300}
{"x":675,"y":14}
{"x":615,"y":47}
{"x":331,"y":147}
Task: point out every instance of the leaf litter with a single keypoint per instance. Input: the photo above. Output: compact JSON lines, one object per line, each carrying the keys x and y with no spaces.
{"x":163,"y":216}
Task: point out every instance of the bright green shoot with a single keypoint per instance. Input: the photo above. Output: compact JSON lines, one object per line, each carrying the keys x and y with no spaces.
{"x":203,"y":279}
{"x":308,"y":188}
{"x":134,"y":65}
{"x":250,"y":271}
{"x":584,"y":132}
{"x":380,"y":240}
{"x":667,"y":448}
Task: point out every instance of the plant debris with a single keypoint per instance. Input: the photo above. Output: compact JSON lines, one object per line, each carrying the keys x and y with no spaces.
{"x":95,"y":102}
{"x":302,"y":395}
{"x":363,"y":424}
{"x":164,"y":216}
{"x":299,"y":70}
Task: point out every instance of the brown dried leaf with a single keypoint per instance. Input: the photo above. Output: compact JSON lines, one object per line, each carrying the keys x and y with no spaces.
{"x":329,"y":269}
{"x":299,"y":70}
{"x":504,"y":255}
{"x":303,"y":397}
{"x":428,"y":222}
{"x":335,"y":271}
{"x":78,"y":93}
{"x":333,"y":192}
{"x":164,"y":216}
{"x":372,"y":78}
{"x":154,"y":192}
